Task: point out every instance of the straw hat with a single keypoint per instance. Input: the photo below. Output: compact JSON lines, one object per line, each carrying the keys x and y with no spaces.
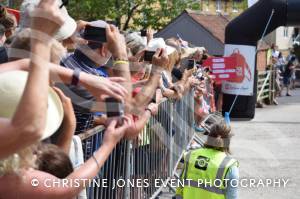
{"x":65,"y":31}
{"x":12,"y":85}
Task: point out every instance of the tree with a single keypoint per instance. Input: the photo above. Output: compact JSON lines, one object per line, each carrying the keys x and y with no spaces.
{"x":131,"y":14}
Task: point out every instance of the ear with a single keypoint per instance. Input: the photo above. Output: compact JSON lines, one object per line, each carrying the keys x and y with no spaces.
{"x":102,"y":51}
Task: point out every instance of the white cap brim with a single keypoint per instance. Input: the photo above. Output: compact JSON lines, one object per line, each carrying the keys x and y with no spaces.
{"x":66,"y":30}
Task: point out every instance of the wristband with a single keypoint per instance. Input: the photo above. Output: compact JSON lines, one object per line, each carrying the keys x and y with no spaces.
{"x":148,"y":109}
{"x":96,"y":161}
{"x":75,"y":77}
{"x":120,"y":62}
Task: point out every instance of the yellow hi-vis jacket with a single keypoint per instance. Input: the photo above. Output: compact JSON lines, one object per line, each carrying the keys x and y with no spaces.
{"x":204,"y":173}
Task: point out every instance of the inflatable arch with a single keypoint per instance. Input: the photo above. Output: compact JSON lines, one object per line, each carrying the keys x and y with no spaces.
{"x":241,"y":37}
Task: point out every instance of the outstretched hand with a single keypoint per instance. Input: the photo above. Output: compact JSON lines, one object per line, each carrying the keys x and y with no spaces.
{"x":113,"y":133}
{"x":99,"y":86}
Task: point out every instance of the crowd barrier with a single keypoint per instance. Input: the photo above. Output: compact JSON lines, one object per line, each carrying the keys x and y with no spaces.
{"x":266,"y":85}
{"x":113,"y":169}
{"x":152,"y":157}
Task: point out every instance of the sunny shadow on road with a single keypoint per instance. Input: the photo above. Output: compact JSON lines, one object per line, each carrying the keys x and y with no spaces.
{"x":269,"y":147}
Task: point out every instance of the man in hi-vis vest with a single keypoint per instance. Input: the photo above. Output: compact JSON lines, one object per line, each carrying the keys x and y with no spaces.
{"x":209,"y":172}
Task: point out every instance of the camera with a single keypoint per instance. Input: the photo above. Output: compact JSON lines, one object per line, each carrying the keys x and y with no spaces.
{"x":191,"y":64}
{"x":202,"y":163}
{"x":143,"y":33}
{"x":202,"y":78}
{"x":95,"y":34}
{"x":112,"y":23}
{"x":114,"y":108}
{"x":148,"y":56}
{"x":199,"y":62}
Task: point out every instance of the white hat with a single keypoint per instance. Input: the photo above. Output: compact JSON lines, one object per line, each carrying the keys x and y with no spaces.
{"x":156,"y":43}
{"x":12,"y":85}
{"x":135,"y":42}
{"x":65,"y":31}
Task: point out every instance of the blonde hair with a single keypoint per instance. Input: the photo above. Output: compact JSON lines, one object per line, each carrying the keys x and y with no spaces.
{"x":24,"y":159}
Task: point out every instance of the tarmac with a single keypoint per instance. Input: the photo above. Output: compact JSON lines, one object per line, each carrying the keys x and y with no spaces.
{"x":268,"y":151}
{"x":268,"y":147}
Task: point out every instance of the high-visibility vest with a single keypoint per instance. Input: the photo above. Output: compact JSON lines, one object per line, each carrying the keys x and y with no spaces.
{"x":204,"y":173}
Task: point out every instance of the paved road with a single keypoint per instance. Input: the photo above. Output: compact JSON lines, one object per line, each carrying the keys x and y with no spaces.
{"x":269,"y":147}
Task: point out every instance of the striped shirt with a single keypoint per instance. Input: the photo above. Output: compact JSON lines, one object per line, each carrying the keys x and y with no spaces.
{"x":82,"y":99}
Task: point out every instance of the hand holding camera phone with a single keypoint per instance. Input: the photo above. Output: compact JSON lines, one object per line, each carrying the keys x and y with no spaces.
{"x":148,"y":55}
{"x":92,"y":33}
{"x":143,"y":33}
{"x":114,"y":108}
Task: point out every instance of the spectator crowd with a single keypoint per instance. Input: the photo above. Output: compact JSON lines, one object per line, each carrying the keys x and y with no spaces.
{"x":284,"y":68}
{"x":59,"y":78}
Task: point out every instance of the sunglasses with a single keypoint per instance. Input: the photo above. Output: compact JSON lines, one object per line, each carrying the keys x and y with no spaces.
{"x":64,"y":3}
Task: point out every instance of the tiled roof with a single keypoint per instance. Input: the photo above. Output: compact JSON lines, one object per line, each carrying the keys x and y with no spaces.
{"x":215,"y":24}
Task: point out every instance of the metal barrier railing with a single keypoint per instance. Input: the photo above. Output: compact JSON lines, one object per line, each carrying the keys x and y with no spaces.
{"x":154,"y":155}
{"x":264,"y":85}
{"x":113,"y":169}
{"x":151,"y":152}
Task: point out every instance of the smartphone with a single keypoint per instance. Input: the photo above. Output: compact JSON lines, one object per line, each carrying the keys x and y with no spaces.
{"x":112,"y":23}
{"x":201,"y":78}
{"x":191,"y":64}
{"x":148,"y":55}
{"x":199,"y":62}
{"x":206,"y":69}
{"x":143,"y":33}
{"x":96,"y":34}
{"x":114,"y":108}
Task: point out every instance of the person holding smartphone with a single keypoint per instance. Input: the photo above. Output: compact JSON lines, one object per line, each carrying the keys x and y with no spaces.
{"x":103,"y":42}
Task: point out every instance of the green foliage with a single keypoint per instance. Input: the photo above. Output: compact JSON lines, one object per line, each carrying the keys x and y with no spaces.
{"x":131,"y":14}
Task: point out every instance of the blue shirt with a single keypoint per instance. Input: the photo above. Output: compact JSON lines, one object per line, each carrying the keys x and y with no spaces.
{"x":82,"y":99}
{"x":102,"y":72}
{"x":232,"y":191}
{"x":80,"y":61}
